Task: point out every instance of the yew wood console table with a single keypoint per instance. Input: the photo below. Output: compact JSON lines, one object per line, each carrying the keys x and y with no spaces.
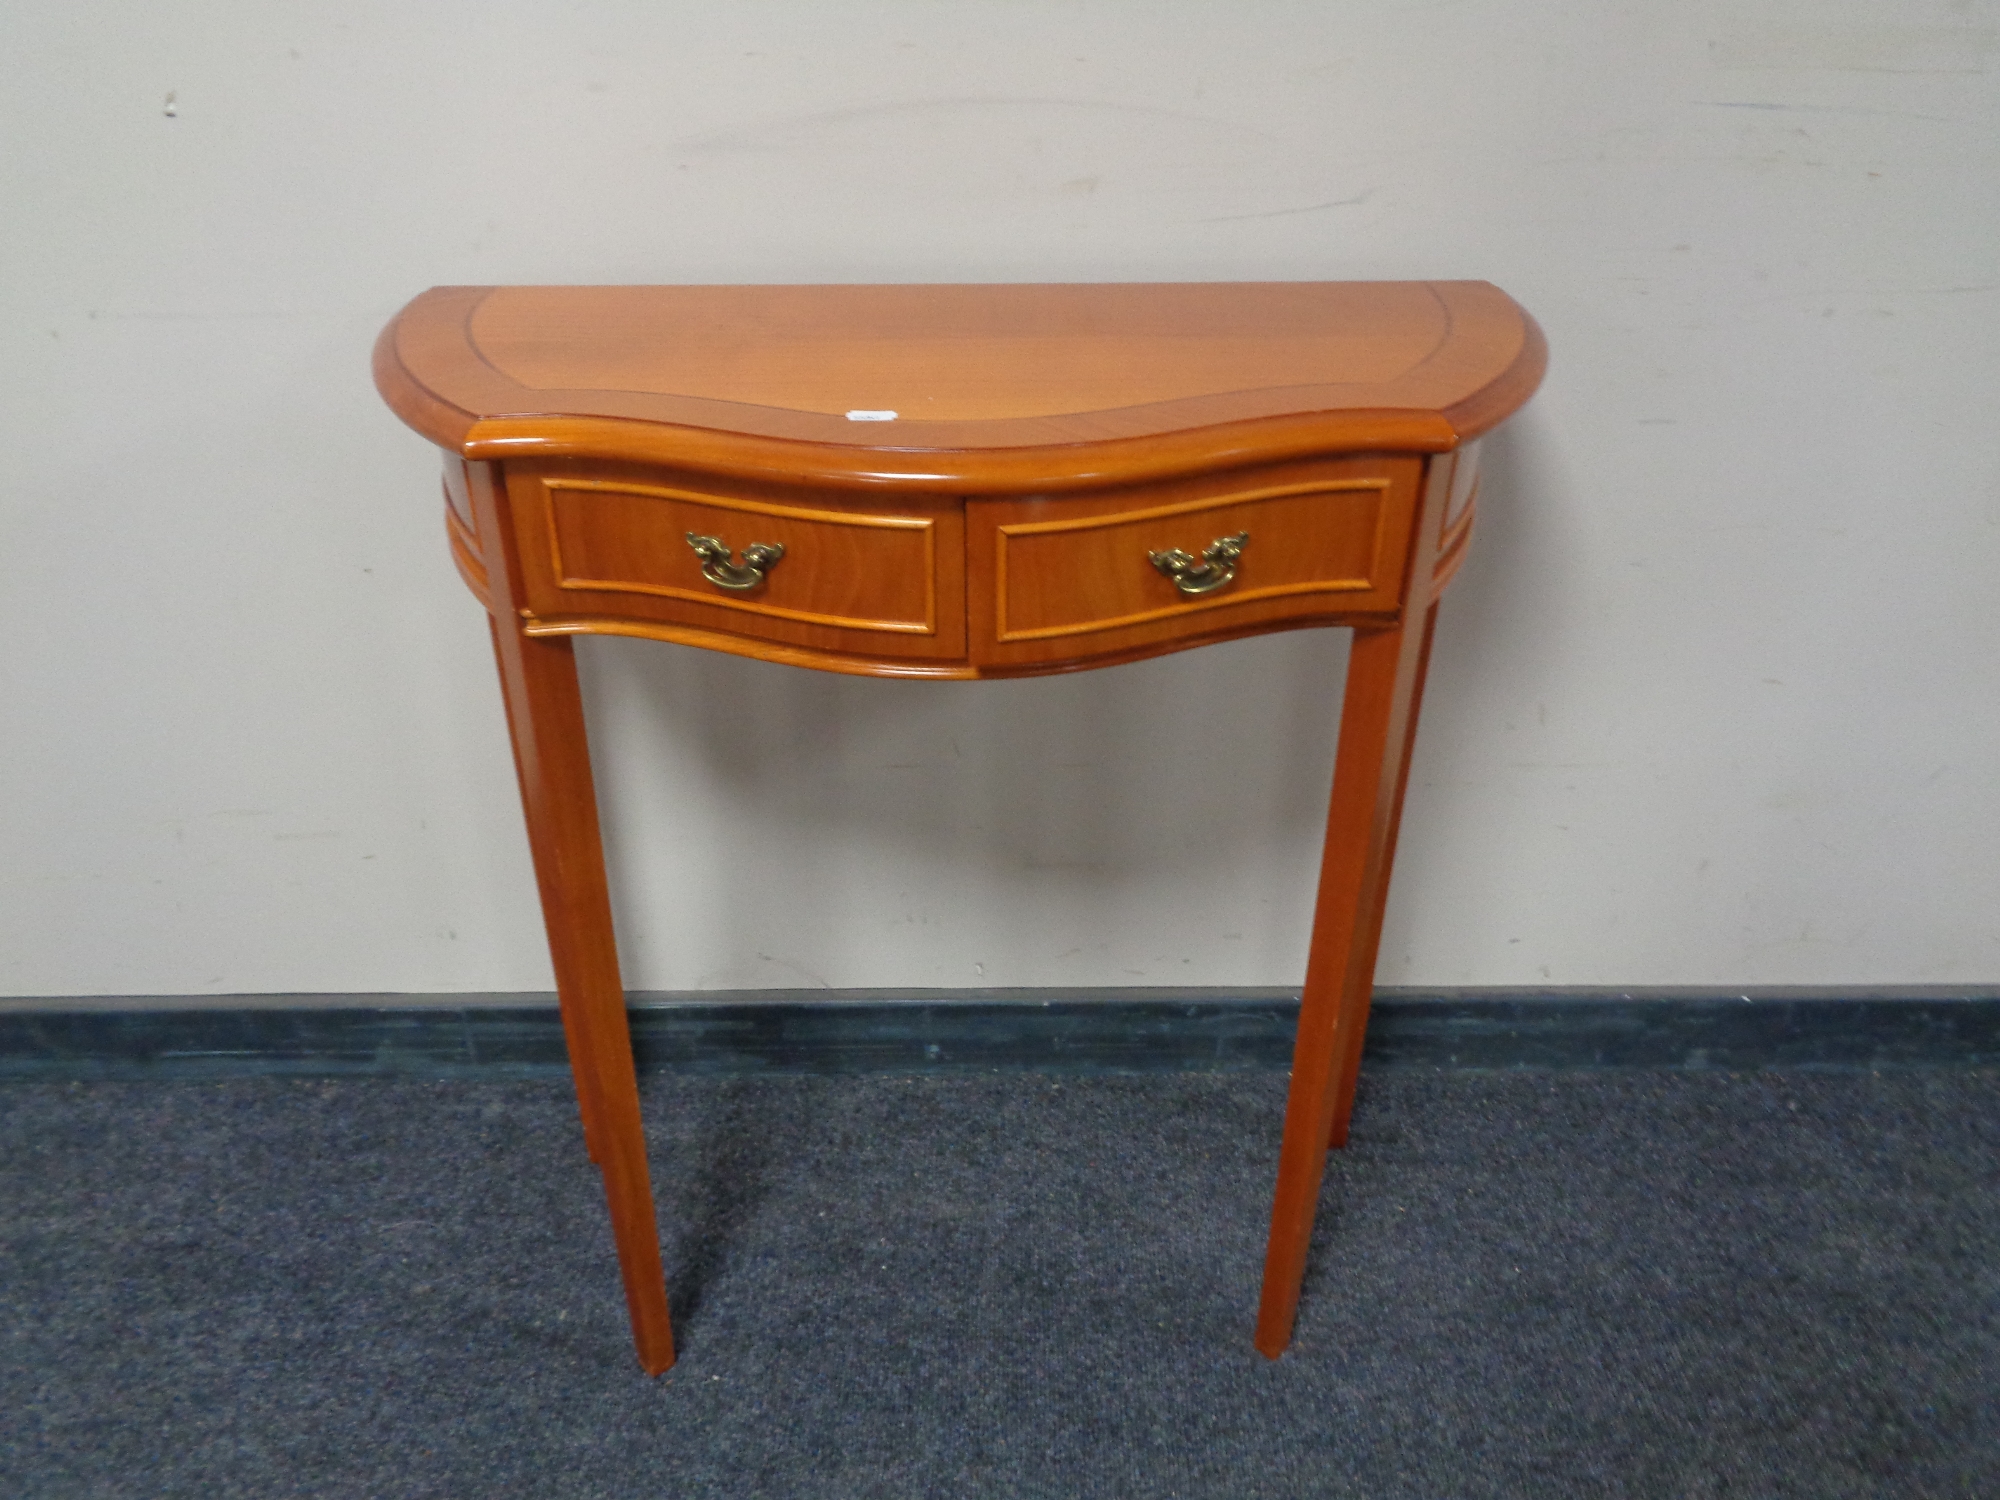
{"x":953,"y":482}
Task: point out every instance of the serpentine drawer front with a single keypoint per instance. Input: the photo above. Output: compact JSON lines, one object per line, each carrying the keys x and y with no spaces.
{"x":959,"y":481}
{"x":1056,"y":579}
{"x":610,"y":543}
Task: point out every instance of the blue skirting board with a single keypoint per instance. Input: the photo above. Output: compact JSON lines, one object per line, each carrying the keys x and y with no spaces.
{"x":1059,"y":1031}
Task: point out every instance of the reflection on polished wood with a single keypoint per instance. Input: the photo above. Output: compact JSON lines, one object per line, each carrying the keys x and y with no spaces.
{"x":958,"y":482}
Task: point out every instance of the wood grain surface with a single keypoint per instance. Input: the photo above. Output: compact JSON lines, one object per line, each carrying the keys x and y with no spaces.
{"x":1069,"y":580}
{"x":883,"y":579}
{"x":990,"y":385}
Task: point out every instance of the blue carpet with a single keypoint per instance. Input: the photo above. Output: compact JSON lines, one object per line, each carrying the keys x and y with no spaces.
{"x":1637,"y":1283}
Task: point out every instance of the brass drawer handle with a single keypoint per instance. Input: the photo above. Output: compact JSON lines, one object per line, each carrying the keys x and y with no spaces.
{"x":721,"y":570}
{"x":1217,"y":568}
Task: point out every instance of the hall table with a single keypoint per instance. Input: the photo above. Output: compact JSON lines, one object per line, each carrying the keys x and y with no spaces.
{"x":957,"y":482}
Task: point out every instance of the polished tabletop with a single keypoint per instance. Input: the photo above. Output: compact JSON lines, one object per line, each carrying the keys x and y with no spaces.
{"x":924,"y":382}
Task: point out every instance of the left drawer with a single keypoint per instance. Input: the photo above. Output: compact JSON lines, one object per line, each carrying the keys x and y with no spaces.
{"x":612,"y":544}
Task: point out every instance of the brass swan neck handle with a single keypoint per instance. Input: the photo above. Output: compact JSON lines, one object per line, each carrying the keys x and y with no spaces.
{"x":1217,"y":568}
{"x":720,"y":568}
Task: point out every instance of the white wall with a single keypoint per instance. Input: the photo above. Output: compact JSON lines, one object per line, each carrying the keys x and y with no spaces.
{"x":1714,"y":701}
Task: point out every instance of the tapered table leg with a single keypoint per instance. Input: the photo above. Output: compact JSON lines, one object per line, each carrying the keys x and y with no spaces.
{"x":1377,"y":726}
{"x":545,"y":715}
{"x":1348,"y":1064}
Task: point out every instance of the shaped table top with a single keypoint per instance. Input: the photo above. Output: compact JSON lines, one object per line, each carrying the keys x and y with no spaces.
{"x":959,"y":384}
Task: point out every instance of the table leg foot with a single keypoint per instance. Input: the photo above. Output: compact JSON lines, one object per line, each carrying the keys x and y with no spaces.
{"x":629,"y":1196}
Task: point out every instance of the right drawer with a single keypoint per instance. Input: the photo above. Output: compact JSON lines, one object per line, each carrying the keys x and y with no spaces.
{"x":1136,"y":572}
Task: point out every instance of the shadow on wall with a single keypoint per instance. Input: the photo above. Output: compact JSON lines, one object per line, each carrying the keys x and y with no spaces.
{"x":1154,"y":823}
{"x":1513,"y":616}
{"x":1174,"y":803}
